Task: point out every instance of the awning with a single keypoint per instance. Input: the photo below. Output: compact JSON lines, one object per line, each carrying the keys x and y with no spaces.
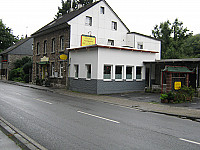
{"x":43,"y":63}
{"x":177,"y":69}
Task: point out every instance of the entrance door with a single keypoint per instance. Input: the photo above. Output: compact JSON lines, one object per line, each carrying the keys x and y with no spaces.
{"x":43,"y":71}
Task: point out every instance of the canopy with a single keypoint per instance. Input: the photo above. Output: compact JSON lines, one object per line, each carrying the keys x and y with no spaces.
{"x":177,"y":69}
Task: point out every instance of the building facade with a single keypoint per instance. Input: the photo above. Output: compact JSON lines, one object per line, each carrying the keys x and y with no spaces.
{"x":93,"y":37}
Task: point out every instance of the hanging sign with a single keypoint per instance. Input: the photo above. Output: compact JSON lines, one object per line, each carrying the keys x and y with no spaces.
{"x":63,"y":57}
{"x":43,"y":59}
{"x":177,"y":85}
{"x":88,"y":40}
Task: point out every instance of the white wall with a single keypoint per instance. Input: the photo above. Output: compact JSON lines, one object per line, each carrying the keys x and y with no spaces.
{"x":101,"y":27}
{"x":83,"y":57}
{"x":122,"y":57}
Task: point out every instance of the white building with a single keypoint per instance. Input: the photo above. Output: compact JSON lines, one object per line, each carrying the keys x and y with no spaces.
{"x":104,"y":56}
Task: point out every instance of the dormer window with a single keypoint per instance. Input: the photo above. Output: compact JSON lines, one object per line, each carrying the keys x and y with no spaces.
{"x":110,"y":42}
{"x":114,"y":25}
{"x":88,"y":21}
{"x":102,"y":10}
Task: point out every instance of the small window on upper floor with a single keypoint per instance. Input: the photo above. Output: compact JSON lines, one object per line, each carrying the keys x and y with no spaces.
{"x":114,"y":25}
{"x":62,"y":43}
{"x":111,"y":42}
{"x":38,"y":48}
{"x":88,"y":21}
{"x":45,"y":46}
{"x":102,"y":10}
{"x":140,"y":45}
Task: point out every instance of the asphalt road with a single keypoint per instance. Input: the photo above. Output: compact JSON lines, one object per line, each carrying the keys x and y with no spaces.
{"x":61,"y":122}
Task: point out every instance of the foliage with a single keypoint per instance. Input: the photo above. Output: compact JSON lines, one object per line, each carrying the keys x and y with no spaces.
{"x":66,"y":6}
{"x":173,"y":37}
{"x":7,"y":39}
{"x":22,"y":70}
{"x":163,"y":96}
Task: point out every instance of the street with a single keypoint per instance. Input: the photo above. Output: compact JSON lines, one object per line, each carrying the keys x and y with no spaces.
{"x":60,"y":122}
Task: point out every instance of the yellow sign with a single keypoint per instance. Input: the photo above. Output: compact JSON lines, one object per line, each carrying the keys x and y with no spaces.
{"x":63,"y":57}
{"x":177,"y":85}
{"x":44,"y":59}
{"x":88,"y":40}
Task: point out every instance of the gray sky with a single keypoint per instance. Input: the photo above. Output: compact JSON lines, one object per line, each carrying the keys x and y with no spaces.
{"x":27,"y":16}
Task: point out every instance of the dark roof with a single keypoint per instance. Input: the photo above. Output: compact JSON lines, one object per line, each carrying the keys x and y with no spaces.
{"x":15,"y":45}
{"x":67,"y":17}
{"x":144,"y":35}
{"x":177,"y":69}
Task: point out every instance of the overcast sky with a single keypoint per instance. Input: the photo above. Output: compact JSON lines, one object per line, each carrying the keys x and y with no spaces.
{"x":27,"y":16}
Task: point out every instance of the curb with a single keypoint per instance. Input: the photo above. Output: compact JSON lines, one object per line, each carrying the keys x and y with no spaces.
{"x":21,"y":139}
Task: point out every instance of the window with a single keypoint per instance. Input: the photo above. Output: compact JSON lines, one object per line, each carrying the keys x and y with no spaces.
{"x":45,"y":47}
{"x":76,"y":68}
{"x":114,"y":25}
{"x":129,"y":72}
{"x":88,"y":70}
{"x":138,"y":72}
{"x":107,"y":71}
{"x":61,"y":69}
{"x":88,"y":21}
{"x":140,"y":45}
{"x":53,"y":46}
{"x":38,"y":48}
{"x":62,"y":43}
{"x":52,"y":69}
{"x":118,"y":72}
{"x":111,"y":42}
{"x":102,"y":10}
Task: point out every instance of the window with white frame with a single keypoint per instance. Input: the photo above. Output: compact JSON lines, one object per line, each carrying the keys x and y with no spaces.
{"x":45,"y":46}
{"x":76,"y":71}
{"x":52,"y":69}
{"x":102,"y":10}
{"x":88,"y":71}
{"x":61,"y":69}
{"x":110,"y":42}
{"x":138,"y":73}
{"x":88,"y":21}
{"x":62,"y":43}
{"x":140,"y":45}
{"x":107,"y":72}
{"x":129,"y":72}
{"x":114,"y":25}
{"x":53,"y":45}
{"x":38,"y":48}
{"x":119,"y":72}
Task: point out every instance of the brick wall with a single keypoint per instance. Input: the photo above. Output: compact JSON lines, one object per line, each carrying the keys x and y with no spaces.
{"x":53,"y":57}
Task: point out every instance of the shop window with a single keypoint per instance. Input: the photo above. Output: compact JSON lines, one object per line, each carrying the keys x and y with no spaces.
{"x":129,"y":72}
{"x":138,"y":73}
{"x":88,"y":21}
{"x":45,"y":47}
{"x":118,"y":72}
{"x":62,"y":43}
{"x":107,"y":72}
{"x":114,"y":25}
{"x":61,"y":69}
{"x":76,"y":71}
{"x":88,"y":71}
{"x":53,"y":46}
{"x":102,"y":10}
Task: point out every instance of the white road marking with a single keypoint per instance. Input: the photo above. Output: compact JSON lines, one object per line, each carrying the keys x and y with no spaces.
{"x":189,"y":141}
{"x":98,"y":117}
{"x":43,"y":101}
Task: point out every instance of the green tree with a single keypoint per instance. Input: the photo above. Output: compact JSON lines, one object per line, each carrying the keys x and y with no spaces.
{"x":66,"y":6}
{"x":173,"y":38}
{"x":7,"y":39}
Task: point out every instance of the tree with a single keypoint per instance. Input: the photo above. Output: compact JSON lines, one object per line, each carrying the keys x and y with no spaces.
{"x":68,"y":4}
{"x":173,"y":37}
{"x":7,"y":39}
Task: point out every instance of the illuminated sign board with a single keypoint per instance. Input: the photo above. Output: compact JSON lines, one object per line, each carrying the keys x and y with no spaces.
{"x":88,"y":40}
{"x":177,"y":85}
